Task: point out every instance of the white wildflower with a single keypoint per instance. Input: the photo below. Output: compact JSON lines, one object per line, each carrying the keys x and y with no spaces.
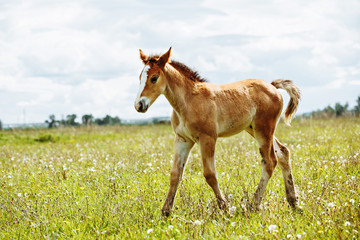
{"x":170,"y":227}
{"x":272,"y":228}
{"x":347,"y":224}
{"x":149,"y":231}
{"x":197,"y":222}
{"x":298,"y":236}
{"x":288,"y":236}
{"x":233,"y":224}
{"x":331,"y":204}
{"x":352,"y":201}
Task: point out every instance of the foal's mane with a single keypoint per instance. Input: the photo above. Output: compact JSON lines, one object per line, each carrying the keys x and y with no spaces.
{"x":182,"y":68}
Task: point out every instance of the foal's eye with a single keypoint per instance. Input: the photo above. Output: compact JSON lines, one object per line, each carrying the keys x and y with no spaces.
{"x":154,"y":79}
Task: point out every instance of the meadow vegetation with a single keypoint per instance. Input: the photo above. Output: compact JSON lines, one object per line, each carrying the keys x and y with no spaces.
{"x":110,"y":182}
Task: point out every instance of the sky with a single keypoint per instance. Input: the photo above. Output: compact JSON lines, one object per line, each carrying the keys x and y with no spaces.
{"x":82,"y":56}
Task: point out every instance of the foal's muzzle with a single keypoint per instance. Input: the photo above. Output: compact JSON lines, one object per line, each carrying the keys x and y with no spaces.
{"x":142,"y":105}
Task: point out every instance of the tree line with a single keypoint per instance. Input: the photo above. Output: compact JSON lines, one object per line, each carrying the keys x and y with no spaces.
{"x":338,"y":110}
{"x":86,"y":120}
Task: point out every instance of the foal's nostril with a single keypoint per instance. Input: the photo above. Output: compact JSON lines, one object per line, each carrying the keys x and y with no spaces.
{"x":141,"y":105}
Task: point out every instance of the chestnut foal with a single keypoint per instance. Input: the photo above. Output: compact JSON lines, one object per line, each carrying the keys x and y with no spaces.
{"x":203,"y":111}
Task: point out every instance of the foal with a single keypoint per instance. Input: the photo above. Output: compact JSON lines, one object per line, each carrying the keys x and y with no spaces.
{"x":203,"y":111}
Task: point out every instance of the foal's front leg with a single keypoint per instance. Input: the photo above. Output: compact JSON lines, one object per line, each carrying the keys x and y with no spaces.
{"x":182,"y":150}
{"x":207,"y":147}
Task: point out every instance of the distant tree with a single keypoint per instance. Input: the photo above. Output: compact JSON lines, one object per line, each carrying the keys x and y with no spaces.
{"x":108,"y":120}
{"x":87,"y":119}
{"x":116,"y":120}
{"x":357,"y":107}
{"x":52,"y":122}
{"x":1,"y":127}
{"x":340,"y":109}
{"x":98,"y":121}
{"x":70,"y":120}
{"x":328,"y":111}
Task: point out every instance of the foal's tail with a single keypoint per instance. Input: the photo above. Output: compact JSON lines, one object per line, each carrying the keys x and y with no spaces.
{"x":294,"y":93}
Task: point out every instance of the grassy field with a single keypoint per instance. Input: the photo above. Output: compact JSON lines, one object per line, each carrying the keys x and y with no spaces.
{"x":111,"y":182}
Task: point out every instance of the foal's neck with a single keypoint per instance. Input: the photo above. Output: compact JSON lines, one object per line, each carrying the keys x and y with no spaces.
{"x":177,"y":89}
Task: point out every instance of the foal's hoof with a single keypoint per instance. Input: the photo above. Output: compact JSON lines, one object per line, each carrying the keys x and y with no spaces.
{"x":165,"y":212}
{"x":251,"y":208}
{"x":294,"y":203}
{"x":223,"y":205}
{"x":297,"y":209}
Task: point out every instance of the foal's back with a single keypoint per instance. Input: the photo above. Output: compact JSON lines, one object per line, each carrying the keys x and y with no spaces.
{"x":240,"y":104}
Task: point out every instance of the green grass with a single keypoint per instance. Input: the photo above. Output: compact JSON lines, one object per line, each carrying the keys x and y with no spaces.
{"x":111,"y":183}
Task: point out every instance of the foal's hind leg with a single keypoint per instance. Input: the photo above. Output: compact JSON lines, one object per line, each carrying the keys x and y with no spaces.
{"x":268,"y":162}
{"x":283,"y":155}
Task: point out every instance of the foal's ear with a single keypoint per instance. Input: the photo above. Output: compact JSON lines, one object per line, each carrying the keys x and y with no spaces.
{"x":143,"y":57}
{"x":164,"y":59}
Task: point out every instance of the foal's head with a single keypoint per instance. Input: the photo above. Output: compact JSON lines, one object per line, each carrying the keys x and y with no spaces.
{"x":152,"y":80}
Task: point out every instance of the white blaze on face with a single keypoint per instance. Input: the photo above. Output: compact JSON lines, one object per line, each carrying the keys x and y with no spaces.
{"x":143,"y":78}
